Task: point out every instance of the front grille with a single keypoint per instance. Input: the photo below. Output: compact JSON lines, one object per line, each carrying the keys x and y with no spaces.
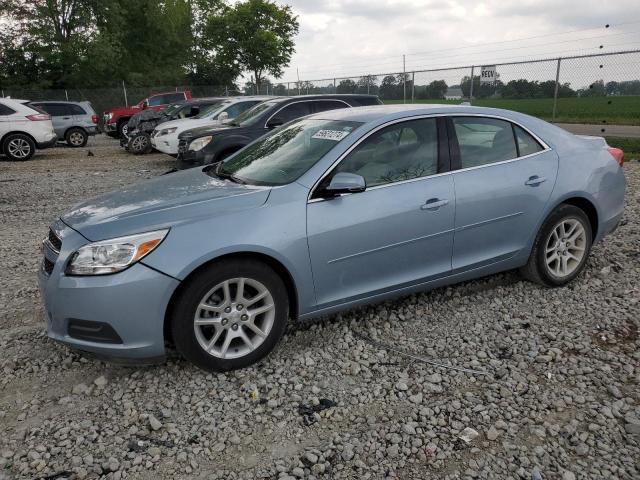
{"x":54,"y":241}
{"x":47,"y":266}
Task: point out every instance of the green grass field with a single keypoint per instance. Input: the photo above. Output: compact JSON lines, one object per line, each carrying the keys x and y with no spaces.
{"x":612,"y":110}
{"x":630,"y":146}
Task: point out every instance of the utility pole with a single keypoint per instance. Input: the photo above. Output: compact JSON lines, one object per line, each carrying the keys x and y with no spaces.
{"x":124,"y":89}
{"x":404,"y":79}
{"x":555,"y":93}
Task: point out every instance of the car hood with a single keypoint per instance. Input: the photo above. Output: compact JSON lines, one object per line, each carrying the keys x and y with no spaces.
{"x":165,"y":201}
{"x":189,"y":123}
{"x":211,"y":130}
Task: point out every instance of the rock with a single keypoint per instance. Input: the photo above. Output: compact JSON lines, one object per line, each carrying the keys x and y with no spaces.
{"x":101,"y":381}
{"x":154,"y":423}
{"x":468,"y":435}
{"x":568,"y":475}
{"x":492,"y":433}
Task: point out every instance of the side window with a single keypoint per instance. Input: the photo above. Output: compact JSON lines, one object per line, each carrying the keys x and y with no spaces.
{"x":174,"y":97}
{"x":484,"y":140}
{"x":54,"y":109}
{"x":324,"y":105}
{"x":293,"y":111}
{"x":157,"y":100}
{"x":237,"y":108}
{"x":76,"y":110}
{"x":399,"y":152}
{"x":526,"y":143}
{"x":4,"y":110}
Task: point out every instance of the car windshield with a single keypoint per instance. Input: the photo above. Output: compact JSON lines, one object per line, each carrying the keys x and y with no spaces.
{"x":171,"y":109}
{"x":285,"y":154}
{"x":251,"y":116}
{"x":212,"y":109}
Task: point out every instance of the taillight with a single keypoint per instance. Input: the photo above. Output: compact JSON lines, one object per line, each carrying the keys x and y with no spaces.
{"x":38,"y":117}
{"x":617,"y":154}
{"x":94,"y":118}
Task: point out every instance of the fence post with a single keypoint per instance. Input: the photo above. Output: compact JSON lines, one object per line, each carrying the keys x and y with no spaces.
{"x":124,"y":89}
{"x":413,"y":86}
{"x":471,"y":88}
{"x":66,"y":94}
{"x":334,"y":85}
{"x":404,"y":79}
{"x":555,"y":93}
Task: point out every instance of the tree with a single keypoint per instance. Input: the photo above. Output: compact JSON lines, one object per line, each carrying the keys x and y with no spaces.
{"x":255,"y":35}
{"x":346,"y":86}
{"x":388,"y":87}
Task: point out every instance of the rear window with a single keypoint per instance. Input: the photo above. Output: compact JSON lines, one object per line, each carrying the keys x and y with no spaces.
{"x":4,"y":110}
{"x":53,"y":109}
{"x":77,"y":110}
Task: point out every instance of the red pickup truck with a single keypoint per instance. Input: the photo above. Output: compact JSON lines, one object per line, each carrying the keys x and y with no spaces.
{"x":115,"y":120}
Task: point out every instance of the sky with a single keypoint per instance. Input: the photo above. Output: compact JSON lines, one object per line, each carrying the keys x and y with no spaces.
{"x":356,"y":37}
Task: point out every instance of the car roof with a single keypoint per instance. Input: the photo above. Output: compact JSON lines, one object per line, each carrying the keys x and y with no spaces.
{"x":68,"y":102}
{"x":390,"y":112}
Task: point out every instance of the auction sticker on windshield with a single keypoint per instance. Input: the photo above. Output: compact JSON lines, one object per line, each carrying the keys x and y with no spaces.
{"x":336,"y":135}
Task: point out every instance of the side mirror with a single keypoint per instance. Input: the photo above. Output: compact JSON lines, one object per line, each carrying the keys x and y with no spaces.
{"x":145,"y":104}
{"x":223,"y":117}
{"x":345,"y":182}
{"x":275,"y":122}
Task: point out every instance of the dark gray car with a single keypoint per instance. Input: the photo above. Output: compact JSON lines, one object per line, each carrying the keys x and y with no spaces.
{"x":72,"y":121}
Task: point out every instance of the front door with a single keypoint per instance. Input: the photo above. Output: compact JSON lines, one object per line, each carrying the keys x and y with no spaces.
{"x":396,"y":233}
{"x":504,"y":181}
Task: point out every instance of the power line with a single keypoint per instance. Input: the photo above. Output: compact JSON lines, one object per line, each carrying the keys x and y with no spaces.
{"x":485,"y":44}
{"x":492,"y":51}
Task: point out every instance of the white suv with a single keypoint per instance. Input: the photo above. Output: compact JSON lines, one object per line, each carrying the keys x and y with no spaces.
{"x":23,"y":129}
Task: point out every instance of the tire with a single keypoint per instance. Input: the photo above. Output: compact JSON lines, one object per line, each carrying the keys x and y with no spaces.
{"x":552,"y":262}
{"x":139,"y":144}
{"x":18,"y":147}
{"x":225,"y":319}
{"x":76,"y":137}
{"x":123,"y":127}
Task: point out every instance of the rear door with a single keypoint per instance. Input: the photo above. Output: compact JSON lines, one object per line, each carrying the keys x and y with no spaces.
{"x":61,"y":116}
{"x":289,"y":112}
{"x":503,"y":180}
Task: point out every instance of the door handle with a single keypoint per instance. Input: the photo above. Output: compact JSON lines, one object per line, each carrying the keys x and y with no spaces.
{"x":66,"y":118}
{"x":434,"y":204}
{"x":534,"y":181}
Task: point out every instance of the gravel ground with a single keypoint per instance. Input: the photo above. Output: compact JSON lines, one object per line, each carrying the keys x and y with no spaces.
{"x":560,"y":398}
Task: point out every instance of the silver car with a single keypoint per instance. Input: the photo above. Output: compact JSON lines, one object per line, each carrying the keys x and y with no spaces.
{"x":72,"y":121}
{"x":330,"y":211}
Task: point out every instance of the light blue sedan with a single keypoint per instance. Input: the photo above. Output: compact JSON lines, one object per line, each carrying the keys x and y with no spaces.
{"x":327,"y":212}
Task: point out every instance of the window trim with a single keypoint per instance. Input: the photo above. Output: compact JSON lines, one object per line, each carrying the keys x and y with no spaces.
{"x":306,"y":100}
{"x":452,"y":168}
{"x":453,"y":141}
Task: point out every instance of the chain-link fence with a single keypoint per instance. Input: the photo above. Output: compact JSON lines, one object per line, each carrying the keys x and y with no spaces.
{"x":602,"y":88}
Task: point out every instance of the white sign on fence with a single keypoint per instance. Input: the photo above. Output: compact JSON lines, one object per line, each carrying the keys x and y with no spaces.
{"x":488,"y":74}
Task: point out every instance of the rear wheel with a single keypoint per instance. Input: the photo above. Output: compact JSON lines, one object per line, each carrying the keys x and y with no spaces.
{"x":18,"y":147}
{"x":230,"y":315}
{"x":561,"y":249}
{"x":76,"y":137}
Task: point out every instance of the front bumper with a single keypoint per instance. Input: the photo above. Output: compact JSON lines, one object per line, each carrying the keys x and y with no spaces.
{"x":132,"y":303}
{"x":166,"y":144}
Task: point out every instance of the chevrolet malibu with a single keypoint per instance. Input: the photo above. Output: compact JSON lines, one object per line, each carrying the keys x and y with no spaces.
{"x":330,"y":211}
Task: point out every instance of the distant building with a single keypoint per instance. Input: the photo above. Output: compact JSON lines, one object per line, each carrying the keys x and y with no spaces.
{"x":453,"y":93}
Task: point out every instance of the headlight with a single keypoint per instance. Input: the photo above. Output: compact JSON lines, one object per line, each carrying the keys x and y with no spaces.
{"x":199,"y":143}
{"x":167,"y":131}
{"x":114,"y":255}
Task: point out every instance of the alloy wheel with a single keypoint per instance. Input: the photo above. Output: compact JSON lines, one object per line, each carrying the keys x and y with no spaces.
{"x":139,"y":143}
{"x":566,"y":247}
{"x":76,"y":139}
{"x":19,"y":148}
{"x":234,"y":318}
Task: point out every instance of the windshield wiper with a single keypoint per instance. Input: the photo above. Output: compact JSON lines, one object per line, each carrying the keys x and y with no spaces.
{"x":226,"y":175}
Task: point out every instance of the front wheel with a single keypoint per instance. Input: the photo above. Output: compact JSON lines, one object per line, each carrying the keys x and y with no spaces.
{"x":561,"y":248}
{"x":139,"y":144}
{"x":230,"y":315}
